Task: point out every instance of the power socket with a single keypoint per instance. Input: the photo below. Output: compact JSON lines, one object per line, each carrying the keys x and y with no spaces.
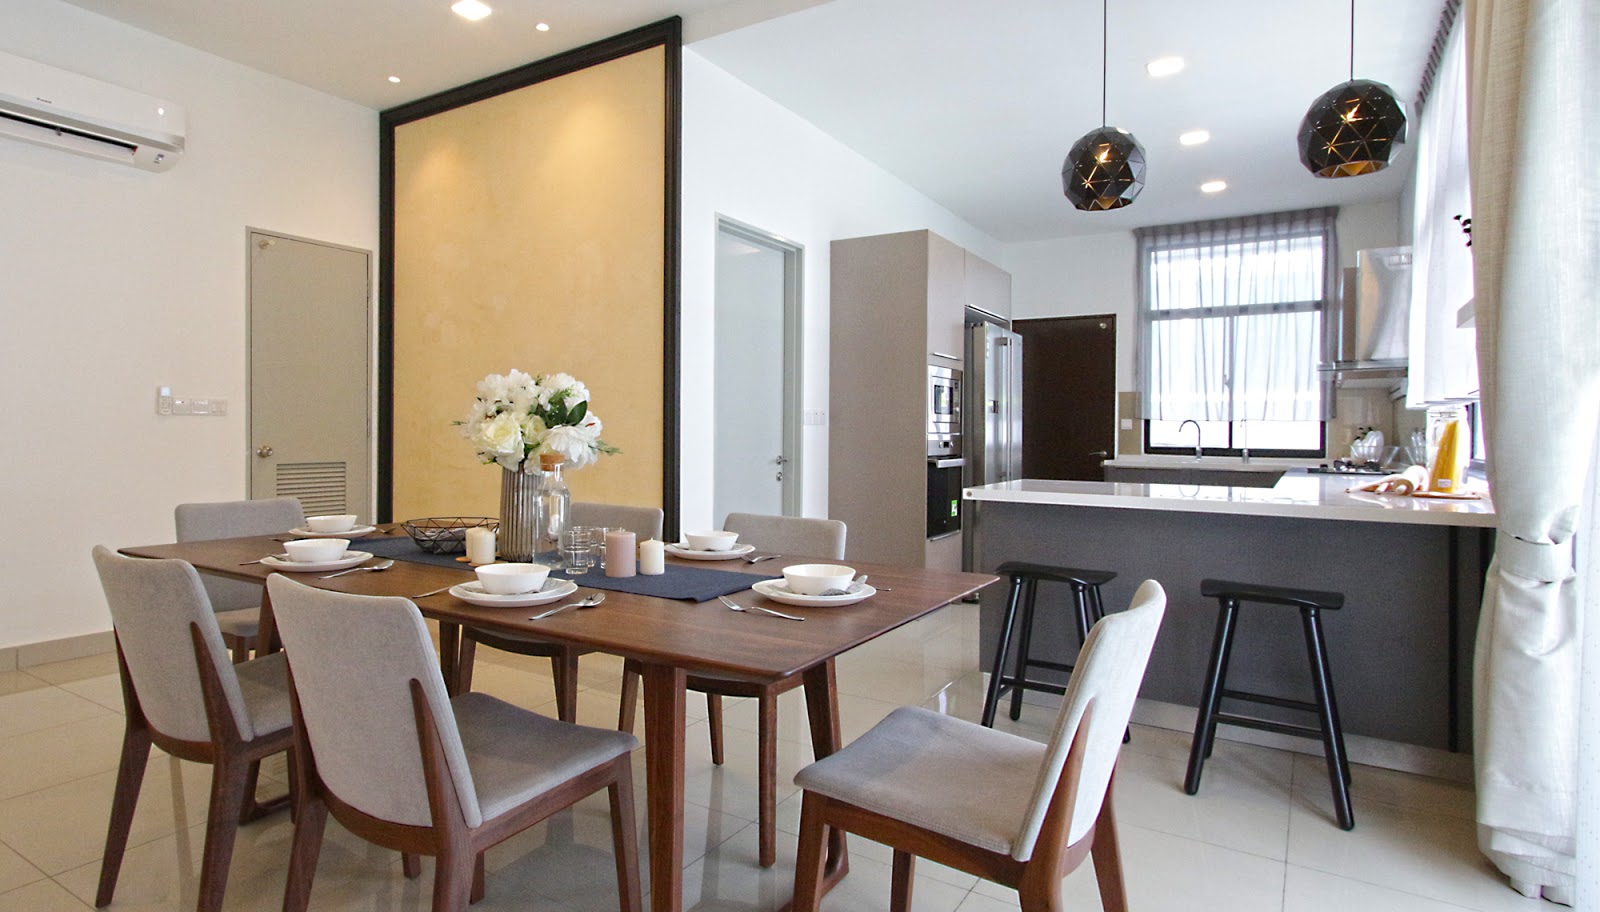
{"x":182,"y":406}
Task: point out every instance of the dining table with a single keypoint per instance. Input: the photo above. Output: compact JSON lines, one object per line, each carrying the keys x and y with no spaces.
{"x":669,"y":638}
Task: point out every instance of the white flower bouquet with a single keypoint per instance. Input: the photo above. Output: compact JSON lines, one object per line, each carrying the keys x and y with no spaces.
{"x":516,"y":417}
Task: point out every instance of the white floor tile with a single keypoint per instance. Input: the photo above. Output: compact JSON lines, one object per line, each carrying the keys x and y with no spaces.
{"x":43,"y":896}
{"x":15,"y":871}
{"x":1305,"y":890}
{"x":62,"y":753}
{"x":42,"y":708}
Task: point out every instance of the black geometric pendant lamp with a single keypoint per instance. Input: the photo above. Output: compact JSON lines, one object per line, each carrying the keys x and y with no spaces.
{"x":1105,"y":168}
{"x":1353,"y":127}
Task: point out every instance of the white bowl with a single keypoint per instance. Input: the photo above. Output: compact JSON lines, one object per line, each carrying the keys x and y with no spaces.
{"x":342,"y":523}
{"x":711,"y":541}
{"x":311,"y":550}
{"x":512,"y":579}
{"x":815,"y":579}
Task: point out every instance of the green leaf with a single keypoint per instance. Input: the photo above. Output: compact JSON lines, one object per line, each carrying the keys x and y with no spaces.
{"x":578,"y":412}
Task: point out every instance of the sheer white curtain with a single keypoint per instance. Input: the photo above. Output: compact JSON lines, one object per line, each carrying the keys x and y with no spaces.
{"x":1231,"y":316}
{"x":1534,"y":110}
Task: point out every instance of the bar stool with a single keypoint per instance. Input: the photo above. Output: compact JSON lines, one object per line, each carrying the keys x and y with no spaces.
{"x":1087,"y":608}
{"x":1311,"y":604}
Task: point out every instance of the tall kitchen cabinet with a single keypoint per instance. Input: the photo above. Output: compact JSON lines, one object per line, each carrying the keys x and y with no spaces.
{"x":898,"y":306}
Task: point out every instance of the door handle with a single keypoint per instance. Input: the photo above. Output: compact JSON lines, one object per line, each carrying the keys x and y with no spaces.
{"x":1101,"y":453}
{"x":264,"y":451}
{"x":781,"y":460}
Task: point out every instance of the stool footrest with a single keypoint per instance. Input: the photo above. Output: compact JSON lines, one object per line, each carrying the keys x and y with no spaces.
{"x":1051,"y":666}
{"x":1044,"y":686}
{"x":1282,"y":728}
{"x":1270,"y":700}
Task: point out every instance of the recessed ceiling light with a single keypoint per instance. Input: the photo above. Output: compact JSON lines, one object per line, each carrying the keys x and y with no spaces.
{"x":471,"y":9}
{"x":1164,"y":66}
{"x":394,"y":78}
{"x":1194,"y":137}
{"x":1213,"y":186}
{"x":543,"y":27}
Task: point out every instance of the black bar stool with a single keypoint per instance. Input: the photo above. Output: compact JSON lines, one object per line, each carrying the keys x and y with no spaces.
{"x":1087,"y":608}
{"x":1311,"y":605}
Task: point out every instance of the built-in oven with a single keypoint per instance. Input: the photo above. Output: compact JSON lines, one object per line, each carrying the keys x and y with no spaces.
{"x":944,"y":495}
{"x":944,"y":411}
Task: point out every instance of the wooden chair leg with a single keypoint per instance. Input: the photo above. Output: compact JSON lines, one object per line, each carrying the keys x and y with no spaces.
{"x":477,"y":880}
{"x":452,"y":880}
{"x":808,"y":863}
{"x":467,"y":653}
{"x":900,"y":881}
{"x":714,"y":723}
{"x":564,"y":668}
{"x":410,"y":865}
{"x":311,"y":816}
{"x":1107,"y":854}
{"x":248,"y":809}
{"x":767,"y":774}
{"x":625,"y":838}
{"x":630,"y":696}
{"x":228,"y":781}
{"x":130,"y":776}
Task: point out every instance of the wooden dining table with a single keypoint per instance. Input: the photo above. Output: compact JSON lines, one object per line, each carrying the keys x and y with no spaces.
{"x":671,"y":639}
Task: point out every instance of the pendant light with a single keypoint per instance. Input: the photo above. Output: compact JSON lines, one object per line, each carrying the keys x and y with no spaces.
{"x":1353,"y":127}
{"x":1105,"y":168}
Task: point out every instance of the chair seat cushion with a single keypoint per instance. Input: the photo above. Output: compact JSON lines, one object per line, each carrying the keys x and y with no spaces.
{"x":515,"y":755}
{"x":264,"y":683}
{"x":243,"y":622}
{"x":940,"y":773}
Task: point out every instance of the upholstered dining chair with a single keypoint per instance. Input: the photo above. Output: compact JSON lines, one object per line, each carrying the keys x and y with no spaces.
{"x":236,"y":602}
{"x":822,"y":538}
{"x":181,"y":692}
{"x":398,"y":762}
{"x":643,"y":522}
{"x":987,"y":802}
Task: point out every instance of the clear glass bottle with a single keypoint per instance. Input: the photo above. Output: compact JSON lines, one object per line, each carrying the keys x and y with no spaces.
{"x":553,"y":512}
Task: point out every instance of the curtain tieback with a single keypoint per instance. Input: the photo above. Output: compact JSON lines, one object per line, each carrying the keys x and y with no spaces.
{"x":1546,"y":562}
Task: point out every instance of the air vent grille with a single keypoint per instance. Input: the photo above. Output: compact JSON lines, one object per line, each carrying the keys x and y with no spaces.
{"x":320,"y":486}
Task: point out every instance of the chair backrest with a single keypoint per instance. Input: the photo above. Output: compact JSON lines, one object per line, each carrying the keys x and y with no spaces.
{"x":790,"y":534}
{"x":152,"y":603}
{"x":643,"y":522}
{"x":233,"y":519}
{"x":352,"y":659}
{"x":1108,"y":671}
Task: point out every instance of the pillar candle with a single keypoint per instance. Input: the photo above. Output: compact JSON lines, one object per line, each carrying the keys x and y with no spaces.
{"x":621,"y":558}
{"x":480,"y":545}
{"x":652,"y":558}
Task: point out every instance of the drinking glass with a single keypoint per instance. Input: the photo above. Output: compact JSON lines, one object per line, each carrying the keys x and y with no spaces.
{"x":577,"y":549}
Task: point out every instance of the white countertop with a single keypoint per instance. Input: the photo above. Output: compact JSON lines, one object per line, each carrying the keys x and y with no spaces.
{"x":1211,"y":463}
{"x":1296,"y":495}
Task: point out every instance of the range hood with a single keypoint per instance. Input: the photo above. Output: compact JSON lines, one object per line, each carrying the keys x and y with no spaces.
{"x":1366,"y":337}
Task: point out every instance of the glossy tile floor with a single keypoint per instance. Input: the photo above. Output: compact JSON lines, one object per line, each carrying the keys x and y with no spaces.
{"x":1259,"y":836}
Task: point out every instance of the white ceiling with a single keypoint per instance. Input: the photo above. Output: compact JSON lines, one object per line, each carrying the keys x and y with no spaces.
{"x":973,"y":102}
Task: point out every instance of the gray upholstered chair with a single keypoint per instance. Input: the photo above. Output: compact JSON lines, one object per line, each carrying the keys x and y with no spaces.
{"x":793,"y":535}
{"x":1024,"y":814}
{"x":180,"y":691}
{"x":236,"y":602}
{"x":398,"y":762}
{"x":643,"y":522}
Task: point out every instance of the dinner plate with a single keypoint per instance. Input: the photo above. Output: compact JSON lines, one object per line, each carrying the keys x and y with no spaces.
{"x":353,"y":532}
{"x":473,"y":593}
{"x":775,"y":590}
{"x":282,"y":562}
{"x":687,"y":552}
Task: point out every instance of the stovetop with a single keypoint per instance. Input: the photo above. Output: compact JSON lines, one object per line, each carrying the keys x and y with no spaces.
{"x":1345,"y":467}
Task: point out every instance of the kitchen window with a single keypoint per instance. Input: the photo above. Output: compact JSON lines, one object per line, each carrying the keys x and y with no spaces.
{"x":1231,"y":332}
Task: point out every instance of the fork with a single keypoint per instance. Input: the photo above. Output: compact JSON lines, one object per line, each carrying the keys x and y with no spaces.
{"x":588,"y":602}
{"x":758,"y":558}
{"x":738,"y":607}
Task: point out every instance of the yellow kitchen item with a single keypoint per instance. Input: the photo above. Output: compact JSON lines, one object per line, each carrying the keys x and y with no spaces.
{"x":1444,"y":476}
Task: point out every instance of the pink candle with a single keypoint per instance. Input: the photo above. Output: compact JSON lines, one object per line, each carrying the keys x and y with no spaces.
{"x":622,"y":558}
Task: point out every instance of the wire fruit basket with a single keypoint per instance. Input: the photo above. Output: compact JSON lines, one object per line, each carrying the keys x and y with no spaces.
{"x":445,"y":534}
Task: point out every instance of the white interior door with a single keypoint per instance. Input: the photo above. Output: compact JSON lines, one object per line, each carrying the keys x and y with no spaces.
{"x":310,"y":374}
{"x":757,"y":376}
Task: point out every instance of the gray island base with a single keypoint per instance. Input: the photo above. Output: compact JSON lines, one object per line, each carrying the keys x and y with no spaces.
{"x":1400,"y":649}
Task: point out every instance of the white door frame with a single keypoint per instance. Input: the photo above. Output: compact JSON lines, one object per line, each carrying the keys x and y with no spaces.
{"x":793,"y":348}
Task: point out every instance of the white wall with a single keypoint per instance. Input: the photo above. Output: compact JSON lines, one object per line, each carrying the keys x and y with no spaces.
{"x":748,"y":158}
{"x":114,"y":281}
{"x":1096,"y":273}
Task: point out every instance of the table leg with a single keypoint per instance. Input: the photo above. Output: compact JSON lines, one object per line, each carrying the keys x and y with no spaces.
{"x":450,"y":656}
{"x":663,"y":754}
{"x":266,"y":627}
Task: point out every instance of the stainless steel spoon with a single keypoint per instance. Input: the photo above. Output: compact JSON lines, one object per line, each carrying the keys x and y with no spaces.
{"x":380,"y":565}
{"x":589,"y":602}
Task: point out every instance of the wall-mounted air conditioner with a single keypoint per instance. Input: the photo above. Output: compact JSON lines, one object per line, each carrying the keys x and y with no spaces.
{"x":52,"y":107}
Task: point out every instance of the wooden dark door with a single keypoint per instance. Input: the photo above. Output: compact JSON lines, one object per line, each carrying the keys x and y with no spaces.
{"x":1069,"y":396}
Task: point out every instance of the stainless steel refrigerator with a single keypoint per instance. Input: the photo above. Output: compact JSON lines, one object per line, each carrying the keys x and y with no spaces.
{"x":992,"y":413}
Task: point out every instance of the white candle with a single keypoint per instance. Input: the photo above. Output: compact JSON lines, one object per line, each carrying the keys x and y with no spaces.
{"x":621,"y":556}
{"x":652,"y":558}
{"x":480,"y":545}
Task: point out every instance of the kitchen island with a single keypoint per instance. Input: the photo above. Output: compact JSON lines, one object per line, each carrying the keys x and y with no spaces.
{"x":1411,"y":571}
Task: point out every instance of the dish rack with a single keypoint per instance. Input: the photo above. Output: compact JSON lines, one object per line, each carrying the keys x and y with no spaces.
{"x":445,"y":534}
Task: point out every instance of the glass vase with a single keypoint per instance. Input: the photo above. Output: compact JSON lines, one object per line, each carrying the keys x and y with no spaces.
{"x":554,"y":509}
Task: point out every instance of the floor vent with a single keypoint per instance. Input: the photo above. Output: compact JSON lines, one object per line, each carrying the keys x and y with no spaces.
{"x":319,"y":485}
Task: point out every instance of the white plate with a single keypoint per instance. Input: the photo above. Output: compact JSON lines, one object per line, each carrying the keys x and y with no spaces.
{"x":354,"y":532}
{"x":282,"y":562}
{"x":687,"y":552}
{"x":774,"y":589}
{"x":473,"y":594}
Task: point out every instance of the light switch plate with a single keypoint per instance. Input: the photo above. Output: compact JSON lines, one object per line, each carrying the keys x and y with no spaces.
{"x":1127,"y":424}
{"x":813,"y":417}
{"x":163,"y":400}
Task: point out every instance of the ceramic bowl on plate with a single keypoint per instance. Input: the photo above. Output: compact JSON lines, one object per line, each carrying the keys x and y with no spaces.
{"x":341,"y":523}
{"x":512,"y":579}
{"x":815,"y":579}
{"x":311,"y":550}
{"x":711,"y":541}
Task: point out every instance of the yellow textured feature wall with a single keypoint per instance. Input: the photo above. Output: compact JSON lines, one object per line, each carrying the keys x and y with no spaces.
{"x":529,"y":235}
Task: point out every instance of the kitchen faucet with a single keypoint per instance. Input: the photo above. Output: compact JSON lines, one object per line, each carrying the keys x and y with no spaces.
{"x":1197,"y":450}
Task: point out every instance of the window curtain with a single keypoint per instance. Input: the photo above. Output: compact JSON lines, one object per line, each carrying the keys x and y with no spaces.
{"x":1533,"y":104}
{"x":1230,"y":322}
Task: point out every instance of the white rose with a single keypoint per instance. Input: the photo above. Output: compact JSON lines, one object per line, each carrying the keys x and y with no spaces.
{"x":573,"y":443}
{"x":500,"y":436}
